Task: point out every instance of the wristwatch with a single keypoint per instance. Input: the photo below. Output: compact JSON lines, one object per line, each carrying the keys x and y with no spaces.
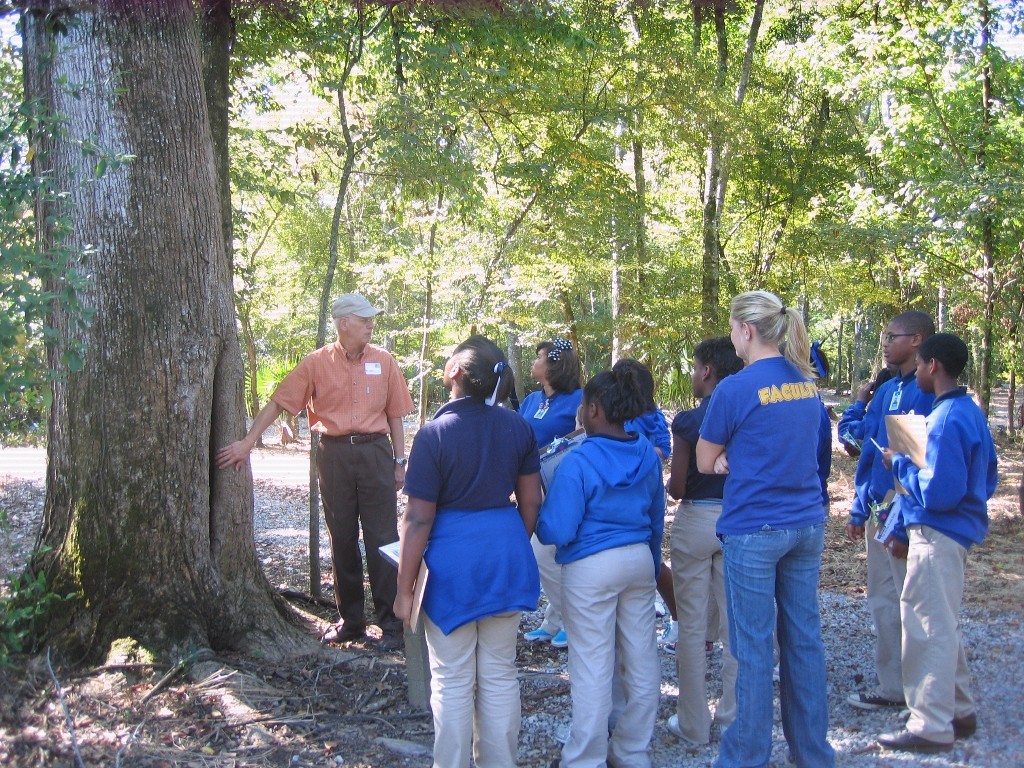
{"x":401,"y":461}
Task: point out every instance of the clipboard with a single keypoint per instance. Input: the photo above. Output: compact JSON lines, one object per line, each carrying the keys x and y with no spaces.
{"x":552,"y":454}
{"x":908,"y":434}
{"x":390,"y":553}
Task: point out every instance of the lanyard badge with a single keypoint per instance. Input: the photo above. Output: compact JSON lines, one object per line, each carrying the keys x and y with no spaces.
{"x":897,"y":396}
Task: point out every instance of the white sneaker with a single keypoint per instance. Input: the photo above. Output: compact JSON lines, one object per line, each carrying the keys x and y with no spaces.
{"x":673,"y":727}
{"x":671,"y":632}
{"x":660,"y":609}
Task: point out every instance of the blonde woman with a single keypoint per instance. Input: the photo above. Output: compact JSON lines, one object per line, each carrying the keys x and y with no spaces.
{"x":761,"y":432}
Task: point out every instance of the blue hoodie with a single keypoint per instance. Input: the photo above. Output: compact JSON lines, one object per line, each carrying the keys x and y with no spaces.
{"x":607,"y":493}
{"x":652,"y":425}
{"x":951,"y":493}
{"x":898,"y":395}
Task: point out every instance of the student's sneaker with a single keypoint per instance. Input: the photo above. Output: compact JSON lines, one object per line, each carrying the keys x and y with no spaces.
{"x":669,"y":648}
{"x":670,"y":634}
{"x":660,"y":609}
{"x":874,"y":700}
{"x":673,"y":727}
{"x":560,"y":640}
{"x":539,"y":635}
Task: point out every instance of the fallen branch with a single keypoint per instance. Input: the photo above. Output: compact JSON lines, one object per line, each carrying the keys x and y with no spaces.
{"x":174,"y":671}
{"x":67,"y":712}
{"x":117,"y":668}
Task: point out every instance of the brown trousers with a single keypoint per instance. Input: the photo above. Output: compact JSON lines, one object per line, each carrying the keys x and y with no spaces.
{"x":357,"y":486}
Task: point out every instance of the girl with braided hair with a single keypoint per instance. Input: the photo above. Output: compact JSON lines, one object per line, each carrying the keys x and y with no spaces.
{"x":463,"y":467}
{"x":605,"y":514}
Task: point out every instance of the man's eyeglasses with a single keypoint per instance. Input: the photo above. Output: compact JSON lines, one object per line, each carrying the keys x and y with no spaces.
{"x":890,"y":336}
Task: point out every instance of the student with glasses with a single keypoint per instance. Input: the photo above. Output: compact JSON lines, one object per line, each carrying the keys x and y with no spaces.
{"x":887,"y":561}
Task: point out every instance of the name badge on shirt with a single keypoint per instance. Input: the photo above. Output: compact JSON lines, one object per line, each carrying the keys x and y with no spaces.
{"x":371,"y":369}
{"x":894,"y":403}
{"x":541,"y":412}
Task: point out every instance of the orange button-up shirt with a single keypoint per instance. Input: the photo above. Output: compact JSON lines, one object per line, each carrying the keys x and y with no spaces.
{"x":343,"y":396}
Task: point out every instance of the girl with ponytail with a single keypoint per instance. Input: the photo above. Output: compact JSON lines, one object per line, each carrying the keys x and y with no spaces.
{"x":463,"y":467}
{"x":605,"y":513}
{"x":761,"y":431}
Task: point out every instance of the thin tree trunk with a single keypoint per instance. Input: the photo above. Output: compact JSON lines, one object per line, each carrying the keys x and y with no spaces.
{"x":640,"y":180}
{"x":155,"y":543}
{"x":428,"y":315}
{"x":570,"y":322}
{"x":988,"y":247}
{"x":249,"y":340}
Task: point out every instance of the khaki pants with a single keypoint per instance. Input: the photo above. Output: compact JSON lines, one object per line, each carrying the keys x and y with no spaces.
{"x":886,"y":575}
{"x":609,"y":606}
{"x":936,"y":680}
{"x":551,"y":583}
{"x":474,"y":692}
{"x":698,"y":579}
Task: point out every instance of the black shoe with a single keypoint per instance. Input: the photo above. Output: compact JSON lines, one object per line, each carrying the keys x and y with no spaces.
{"x":343,"y":633}
{"x":905,"y":741}
{"x":391,"y":641}
{"x":874,"y":701}
{"x":964,"y":727}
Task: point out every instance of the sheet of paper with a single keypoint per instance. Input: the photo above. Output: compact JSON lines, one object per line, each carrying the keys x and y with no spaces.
{"x":390,"y":553}
{"x":908,"y":434}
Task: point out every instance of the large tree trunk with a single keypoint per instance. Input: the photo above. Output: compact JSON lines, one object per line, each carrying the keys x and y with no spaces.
{"x":155,"y":542}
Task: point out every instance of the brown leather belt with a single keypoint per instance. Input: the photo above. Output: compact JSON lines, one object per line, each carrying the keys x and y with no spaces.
{"x":354,"y":439}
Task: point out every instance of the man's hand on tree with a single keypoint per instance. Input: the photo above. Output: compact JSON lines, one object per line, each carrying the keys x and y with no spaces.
{"x":233,"y":455}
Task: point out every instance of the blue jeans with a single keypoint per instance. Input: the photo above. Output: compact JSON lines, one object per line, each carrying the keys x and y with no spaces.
{"x":764,"y":570}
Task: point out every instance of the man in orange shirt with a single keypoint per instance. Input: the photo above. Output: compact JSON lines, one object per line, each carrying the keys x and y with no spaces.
{"x":355,"y":395}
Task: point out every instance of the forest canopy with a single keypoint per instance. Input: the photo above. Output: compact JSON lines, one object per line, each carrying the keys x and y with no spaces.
{"x":612,"y":172}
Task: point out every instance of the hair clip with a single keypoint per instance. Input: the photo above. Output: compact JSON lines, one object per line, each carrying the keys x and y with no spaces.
{"x":557,"y":347}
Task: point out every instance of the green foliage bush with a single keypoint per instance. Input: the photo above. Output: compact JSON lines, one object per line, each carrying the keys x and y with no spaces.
{"x":24,"y":612}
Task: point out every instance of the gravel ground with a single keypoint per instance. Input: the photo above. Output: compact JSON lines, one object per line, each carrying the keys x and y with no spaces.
{"x":994,"y":641}
{"x":993,"y":636}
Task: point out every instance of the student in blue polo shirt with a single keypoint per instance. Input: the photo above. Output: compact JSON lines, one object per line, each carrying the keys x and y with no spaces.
{"x":551,"y":412}
{"x":605,"y":514}
{"x":697,"y":568}
{"x":945,"y":511}
{"x":463,"y":467}
{"x":761,"y":432}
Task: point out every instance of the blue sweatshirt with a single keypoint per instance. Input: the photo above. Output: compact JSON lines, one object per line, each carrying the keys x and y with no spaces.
{"x":951,"y":493}
{"x":607,"y":493}
{"x":654,"y":427}
{"x":872,"y":481}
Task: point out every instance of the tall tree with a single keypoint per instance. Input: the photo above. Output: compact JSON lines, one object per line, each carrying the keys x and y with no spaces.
{"x":156,"y":544}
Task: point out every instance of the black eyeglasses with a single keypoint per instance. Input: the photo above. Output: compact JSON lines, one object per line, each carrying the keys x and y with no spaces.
{"x":890,"y":336}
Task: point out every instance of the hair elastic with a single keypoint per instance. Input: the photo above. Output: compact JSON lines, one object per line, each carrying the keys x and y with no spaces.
{"x":499,"y":368}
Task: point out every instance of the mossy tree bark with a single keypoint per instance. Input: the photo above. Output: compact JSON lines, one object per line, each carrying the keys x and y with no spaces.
{"x":157,"y":543}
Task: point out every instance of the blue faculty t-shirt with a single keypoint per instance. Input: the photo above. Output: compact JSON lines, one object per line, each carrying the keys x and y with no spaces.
{"x":767,"y":417}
